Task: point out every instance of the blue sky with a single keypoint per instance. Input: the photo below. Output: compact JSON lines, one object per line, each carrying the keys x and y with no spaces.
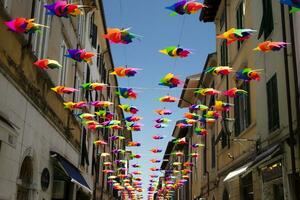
{"x":159,"y":30}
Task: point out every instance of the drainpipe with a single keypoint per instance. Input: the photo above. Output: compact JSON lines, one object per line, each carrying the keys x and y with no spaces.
{"x":297,"y":97}
{"x":291,"y":140}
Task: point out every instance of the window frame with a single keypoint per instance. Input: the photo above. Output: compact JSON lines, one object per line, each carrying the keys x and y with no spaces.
{"x":273,"y":104}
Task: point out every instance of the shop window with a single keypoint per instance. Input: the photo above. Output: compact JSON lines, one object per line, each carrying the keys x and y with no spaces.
{"x":247,"y":187}
{"x":267,"y":22}
{"x":242,"y":110}
{"x":273,"y":109}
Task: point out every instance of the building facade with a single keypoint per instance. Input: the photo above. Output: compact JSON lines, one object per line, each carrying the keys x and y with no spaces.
{"x":45,"y":151}
{"x":257,"y":157}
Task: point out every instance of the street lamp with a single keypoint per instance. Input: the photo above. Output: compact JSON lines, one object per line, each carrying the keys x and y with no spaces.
{"x":228,"y":124}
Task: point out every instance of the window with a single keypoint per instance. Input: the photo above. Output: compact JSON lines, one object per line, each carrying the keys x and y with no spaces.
{"x":93,"y":31}
{"x":204,"y":161}
{"x":87,"y":80}
{"x":267,"y":22}
{"x":63,"y":61}
{"x":273,"y":109}
{"x":247,"y":187}
{"x":242,"y":110}
{"x":40,"y":40}
{"x":99,"y":57}
{"x":222,"y":20}
{"x":6,"y":4}
{"x":224,"y":140}
{"x":213,"y":152}
{"x":224,"y":53}
{"x":81,"y":27}
{"x":240,"y":18}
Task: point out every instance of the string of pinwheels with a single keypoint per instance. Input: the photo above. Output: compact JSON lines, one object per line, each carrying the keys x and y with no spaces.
{"x":104,"y":119}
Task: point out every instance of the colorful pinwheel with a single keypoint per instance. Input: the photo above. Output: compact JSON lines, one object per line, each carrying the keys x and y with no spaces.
{"x":124,"y":71}
{"x":61,"y":8}
{"x":220,"y":70}
{"x":163,"y":112}
{"x":168,"y":99}
{"x":233,"y":35}
{"x":126,"y":93}
{"x":170,"y":81}
{"x":207,"y":91}
{"x":94,"y":86}
{"x":185,"y":7}
{"x":23,"y":25}
{"x":47,"y":63}
{"x":247,"y":74}
{"x":270,"y":46}
{"x":174,"y":52}
{"x":80,"y":55}
{"x":130,"y":109}
{"x":64,"y":90}
{"x":120,"y":36}
{"x":234,"y":92}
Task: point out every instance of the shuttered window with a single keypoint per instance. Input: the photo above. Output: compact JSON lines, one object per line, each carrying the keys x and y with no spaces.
{"x":242,"y":110}
{"x":273,"y":109}
{"x":267,"y":22}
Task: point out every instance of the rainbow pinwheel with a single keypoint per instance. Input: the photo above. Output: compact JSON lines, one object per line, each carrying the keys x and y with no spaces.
{"x":156,"y":150}
{"x":64,"y":90}
{"x":61,"y":8}
{"x":220,"y":70}
{"x":233,"y":35}
{"x":168,"y":99}
{"x":207,"y":91}
{"x":195,"y":146}
{"x":247,"y":74}
{"x":162,"y":120}
{"x":134,"y":144}
{"x":191,"y":116}
{"x":157,"y":137}
{"x":222,"y":106}
{"x":100,"y":142}
{"x":178,"y":153}
{"x":180,"y":141}
{"x":206,"y":120}
{"x":134,"y":126}
{"x":163,"y":112}
{"x":94,"y":86}
{"x":294,"y":10}
{"x":128,"y":108}
{"x":120,"y":36}
{"x":126,"y":93}
{"x":133,"y":118}
{"x":47,"y":63}
{"x":234,"y":92}
{"x":124,"y":71}
{"x":101,"y":104}
{"x":23,"y":25}
{"x":174,"y":52}
{"x":183,"y":125}
{"x":80,"y":55}
{"x":188,"y":164}
{"x":160,"y":125}
{"x":211,"y":114}
{"x":154,"y":160}
{"x":75,"y":105}
{"x":137,"y":156}
{"x":86,"y":116}
{"x":170,"y":81}
{"x":154,"y":169}
{"x":268,"y":46}
{"x":185,"y":7}
{"x":201,"y":131}
{"x":196,"y":107}
{"x":116,"y":137}
{"x":105,"y":114}
{"x":136,"y":166}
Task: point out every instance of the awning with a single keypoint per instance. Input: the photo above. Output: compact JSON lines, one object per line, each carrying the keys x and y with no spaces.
{"x":237,"y":172}
{"x":266,"y":154}
{"x":72,"y":171}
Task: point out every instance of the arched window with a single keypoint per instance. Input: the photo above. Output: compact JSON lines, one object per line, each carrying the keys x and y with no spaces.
{"x":25,"y":177}
{"x":225,"y":195}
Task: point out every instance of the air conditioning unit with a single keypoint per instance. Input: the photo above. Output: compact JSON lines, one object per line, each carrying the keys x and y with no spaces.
{"x":58,"y":190}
